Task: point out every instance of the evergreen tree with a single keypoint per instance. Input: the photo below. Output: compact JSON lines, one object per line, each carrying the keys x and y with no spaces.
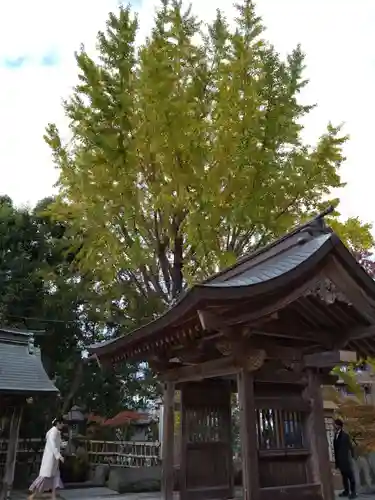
{"x":43,"y":291}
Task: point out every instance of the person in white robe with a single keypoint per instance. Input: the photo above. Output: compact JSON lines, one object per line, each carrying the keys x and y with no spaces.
{"x":49,"y":474}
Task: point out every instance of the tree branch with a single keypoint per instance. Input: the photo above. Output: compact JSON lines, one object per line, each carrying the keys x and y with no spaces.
{"x":161,"y":254}
{"x":177,"y":258}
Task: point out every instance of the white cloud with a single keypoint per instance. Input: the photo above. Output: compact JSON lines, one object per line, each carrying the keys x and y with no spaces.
{"x":336,"y":35}
{"x":31,"y":95}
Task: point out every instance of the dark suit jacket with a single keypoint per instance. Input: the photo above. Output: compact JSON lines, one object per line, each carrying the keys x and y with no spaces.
{"x":343,"y":448}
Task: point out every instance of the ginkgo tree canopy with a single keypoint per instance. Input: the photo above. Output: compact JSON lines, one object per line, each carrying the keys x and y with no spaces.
{"x":187,"y":151}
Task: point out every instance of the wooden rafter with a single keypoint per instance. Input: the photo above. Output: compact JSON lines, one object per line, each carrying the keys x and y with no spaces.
{"x":358,"y":297}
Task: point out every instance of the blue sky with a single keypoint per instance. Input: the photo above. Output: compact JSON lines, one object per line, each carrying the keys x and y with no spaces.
{"x":49,"y":58}
{"x":15,"y":62}
{"x":37,"y":70}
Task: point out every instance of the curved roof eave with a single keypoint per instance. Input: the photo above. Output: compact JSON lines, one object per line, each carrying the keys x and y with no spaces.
{"x":207,"y":292}
{"x":354,"y":268}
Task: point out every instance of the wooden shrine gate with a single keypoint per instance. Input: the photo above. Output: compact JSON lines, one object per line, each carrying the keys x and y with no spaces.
{"x":273,"y":325}
{"x":206,"y":468}
{"x":290,"y":452}
{"x":283,"y":441}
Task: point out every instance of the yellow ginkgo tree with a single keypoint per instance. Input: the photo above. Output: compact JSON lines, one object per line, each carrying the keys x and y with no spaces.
{"x":186,"y":151}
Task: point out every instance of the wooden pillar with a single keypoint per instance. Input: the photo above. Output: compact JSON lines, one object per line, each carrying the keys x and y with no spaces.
{"x":177,"y":429}
{"x":168,"y":442}
{"x":11,"y":456}
{"x":248,"y":436}
{"x":320,"y":469}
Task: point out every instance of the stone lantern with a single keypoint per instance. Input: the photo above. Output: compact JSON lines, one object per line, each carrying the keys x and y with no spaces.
{"x":75,"y":420}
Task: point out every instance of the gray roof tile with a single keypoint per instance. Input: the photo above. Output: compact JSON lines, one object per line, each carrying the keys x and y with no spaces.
{"x":275,"y":266}
{"x":21,"y":371}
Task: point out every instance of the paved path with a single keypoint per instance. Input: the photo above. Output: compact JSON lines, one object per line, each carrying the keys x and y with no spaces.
{"x":106,"y":494}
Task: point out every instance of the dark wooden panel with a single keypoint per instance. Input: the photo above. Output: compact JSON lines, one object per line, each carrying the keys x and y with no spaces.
{"x":214,"y":493}
{"x":207,"y":465}
{"x":305,"y":492}
{"x":285,"y":377}
{"x":282,"y":471}
{"x":206,"y":461}
{"x":277,"y":391}
{"x":206,"y":393}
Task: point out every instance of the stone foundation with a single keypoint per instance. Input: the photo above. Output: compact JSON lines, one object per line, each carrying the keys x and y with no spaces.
{"x":134,"y":479}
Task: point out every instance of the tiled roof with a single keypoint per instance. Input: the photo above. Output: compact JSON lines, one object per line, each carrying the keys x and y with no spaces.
{"x":283,"y":264}
{"x":123,"y":418}
{"x":275,"y":265}
{"x":280,"y":258}
{"x":126,"y":417}
{"x":21,"y":368}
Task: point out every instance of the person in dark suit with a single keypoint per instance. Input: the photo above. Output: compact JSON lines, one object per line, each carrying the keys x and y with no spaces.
{"x":344,"y":453}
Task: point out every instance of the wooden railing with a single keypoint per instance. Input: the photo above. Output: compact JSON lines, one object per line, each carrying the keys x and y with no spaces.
{"x":29,"y":452}
{"x":125,"y":453}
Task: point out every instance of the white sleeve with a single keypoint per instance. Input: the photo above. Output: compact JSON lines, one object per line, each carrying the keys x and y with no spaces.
{"x":52,"y":443}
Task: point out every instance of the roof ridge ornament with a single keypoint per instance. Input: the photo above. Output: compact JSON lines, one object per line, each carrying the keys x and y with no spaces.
{"x":318,"y":224}
{"x":315,"y":227}
{"x":31,"y":344}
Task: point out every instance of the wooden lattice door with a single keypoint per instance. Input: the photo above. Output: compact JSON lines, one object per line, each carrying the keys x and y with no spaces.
{"x":206,"y":446}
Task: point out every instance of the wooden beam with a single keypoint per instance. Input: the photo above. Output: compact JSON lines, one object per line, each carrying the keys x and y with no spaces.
{"x":161,"y":366}
{"x":327,"y":379}
{"x":11,"y":456}
{"x":281,"y":371}
{"x":168,"y":442}
{"x":209,"y":321}
{"x":329,"y":359}
{"x":292,"y":404}
{"x":275,"y":305}
{"x":317,"y":336}
{"x":288,"y":326}
{"x":258,"y":317}
{"x":319,"y":471}
{"x":248,"y":436}
{"x":251,"y":359}
{"x":360,"y":333}
{"x":276,"y":351}
{"x":353,"y":335}
{"x":210,"y":369}
{"x":295,"y":492}
{"x":279,"y":377}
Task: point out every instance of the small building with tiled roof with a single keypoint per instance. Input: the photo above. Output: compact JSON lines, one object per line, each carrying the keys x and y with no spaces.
{"x":21,"y":368}
{"x":22,"y":377}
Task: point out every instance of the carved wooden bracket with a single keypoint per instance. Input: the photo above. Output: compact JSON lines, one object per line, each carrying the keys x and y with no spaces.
{"x":255,"y":360}
{"x":328,"y":292}
{"x":225,"y":347}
